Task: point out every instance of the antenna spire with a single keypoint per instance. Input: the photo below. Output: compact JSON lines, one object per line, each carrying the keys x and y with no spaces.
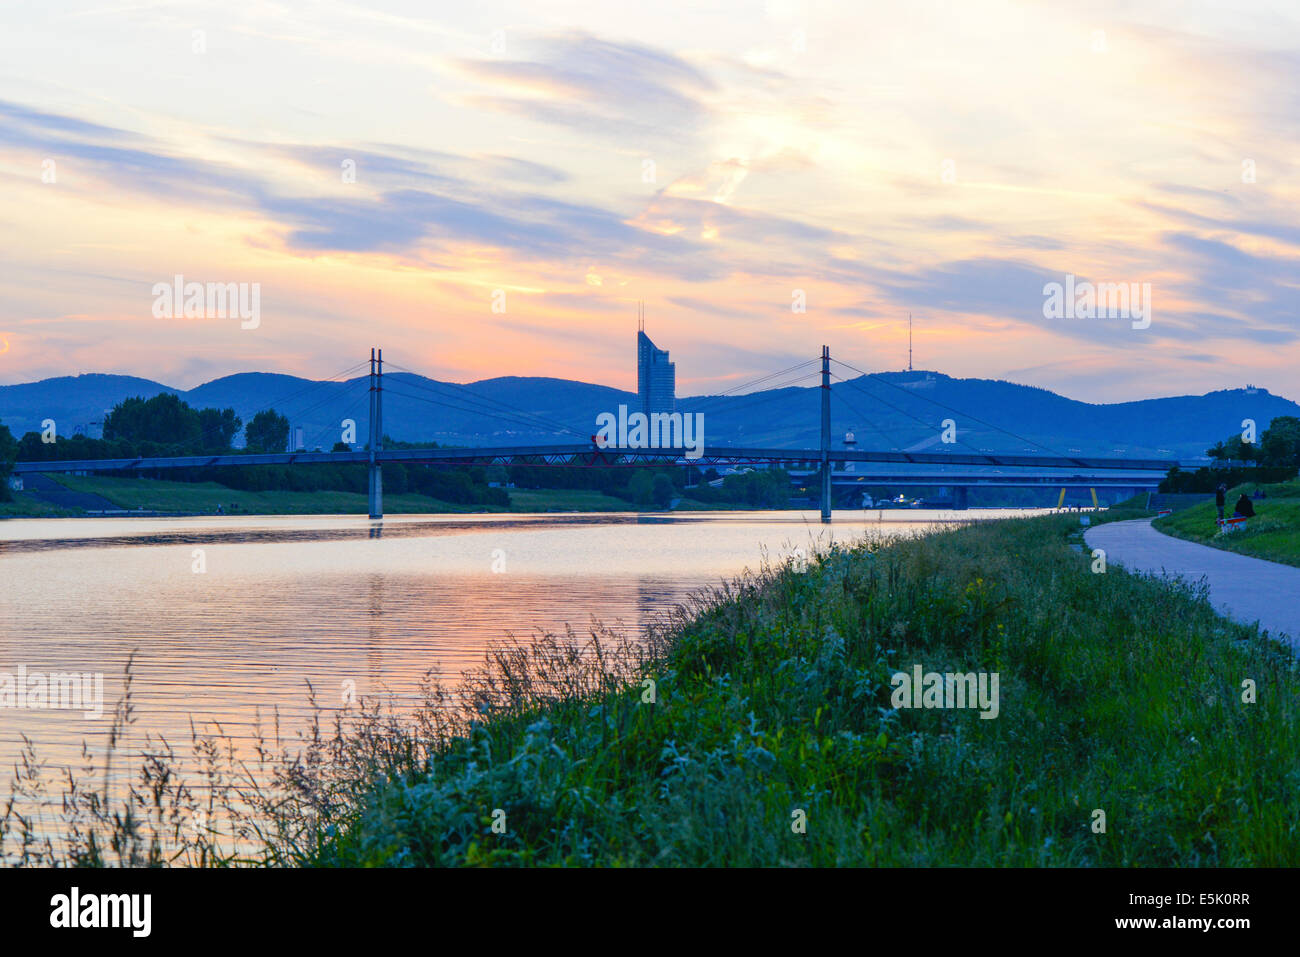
{"x":909,"y":342}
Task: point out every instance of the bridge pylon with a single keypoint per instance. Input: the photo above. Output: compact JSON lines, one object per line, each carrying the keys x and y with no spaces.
{"x":826,"y":434}
{"x":375,"y":489}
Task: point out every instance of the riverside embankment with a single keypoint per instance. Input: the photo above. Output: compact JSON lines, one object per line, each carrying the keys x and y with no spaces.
{"x":1134,"y":727}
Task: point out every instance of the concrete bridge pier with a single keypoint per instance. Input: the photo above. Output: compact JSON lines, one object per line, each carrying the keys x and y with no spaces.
{"x":826,"y":435}
{"x":375,"y":485}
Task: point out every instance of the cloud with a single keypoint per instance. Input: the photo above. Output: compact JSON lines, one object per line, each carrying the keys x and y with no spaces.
{"x":595,"y":85}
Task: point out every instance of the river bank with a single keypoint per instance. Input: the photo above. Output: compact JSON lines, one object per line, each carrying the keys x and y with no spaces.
{"x":97,"y":495}
{"x":1122,"y":737}
{"x":762,"y":730}
{"x":1129,"y":725}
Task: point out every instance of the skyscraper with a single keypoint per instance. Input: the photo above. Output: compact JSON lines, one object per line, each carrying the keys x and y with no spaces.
{"x":656,"y":377}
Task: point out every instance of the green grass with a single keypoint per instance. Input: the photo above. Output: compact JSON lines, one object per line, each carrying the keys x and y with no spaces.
{"x":772,"y":699}
{"x":1273,"y":534}
{"x":24,"y":506}
{"x":203,"y":497}
{"x":577,"y":500}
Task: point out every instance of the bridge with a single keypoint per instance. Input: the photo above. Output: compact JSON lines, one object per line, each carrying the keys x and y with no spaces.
{"x":833,"y":466}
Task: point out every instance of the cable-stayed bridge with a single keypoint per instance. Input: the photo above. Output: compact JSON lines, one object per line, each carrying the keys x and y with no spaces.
{"x":958,"y":469}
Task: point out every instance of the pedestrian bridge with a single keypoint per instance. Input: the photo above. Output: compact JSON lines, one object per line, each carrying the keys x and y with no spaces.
{"x":956,"y":469}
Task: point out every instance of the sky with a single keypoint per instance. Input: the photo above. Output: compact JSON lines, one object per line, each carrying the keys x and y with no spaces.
{"x":491,"y":188}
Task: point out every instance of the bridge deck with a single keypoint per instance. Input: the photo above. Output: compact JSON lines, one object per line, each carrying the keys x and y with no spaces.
{"x":589,"y":456}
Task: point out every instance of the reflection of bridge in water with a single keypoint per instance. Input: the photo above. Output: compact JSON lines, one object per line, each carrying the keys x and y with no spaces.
{"x":955,"y":471}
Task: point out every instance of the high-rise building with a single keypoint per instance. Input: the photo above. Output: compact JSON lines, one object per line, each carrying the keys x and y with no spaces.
{"x":656,"y":377}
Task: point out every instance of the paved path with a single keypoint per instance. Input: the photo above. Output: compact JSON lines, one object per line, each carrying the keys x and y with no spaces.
{"x":1242,"y":588}
{"x":45,"y":489}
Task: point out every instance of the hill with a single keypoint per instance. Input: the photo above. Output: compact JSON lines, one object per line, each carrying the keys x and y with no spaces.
{"x":892,"y":410}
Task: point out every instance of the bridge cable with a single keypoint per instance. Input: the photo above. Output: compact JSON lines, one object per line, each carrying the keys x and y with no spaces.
{"x":866,"y":418}
{"x":928,"y":426}
{"x":967,"y":415}
{"x":351,"y":412}
{"x":747,"y":402}
{"x":746,"y":385}
{"x":552,"y":425}
{"x":282,"y":399}
{"x":749,"y":399}
{"x":514,"y":420}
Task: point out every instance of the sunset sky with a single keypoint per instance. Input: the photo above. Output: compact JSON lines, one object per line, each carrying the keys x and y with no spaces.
{"x":709,"y":159}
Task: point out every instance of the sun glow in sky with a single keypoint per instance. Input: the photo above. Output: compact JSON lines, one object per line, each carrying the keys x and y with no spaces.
{"x":566,"y":160}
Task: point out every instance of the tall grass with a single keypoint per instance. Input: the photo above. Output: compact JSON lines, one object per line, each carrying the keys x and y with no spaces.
{"x":1273,"y":534}
{"x":767,"y":703}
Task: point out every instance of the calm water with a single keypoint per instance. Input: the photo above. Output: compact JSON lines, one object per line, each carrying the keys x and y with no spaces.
{"x":335,"y":600}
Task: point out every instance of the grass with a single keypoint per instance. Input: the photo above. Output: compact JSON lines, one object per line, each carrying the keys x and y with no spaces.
{"x":768,"y":703}
{"x":203,"y":497}
{"x":576,"y":500}
{"x":1273,"y":534}
{"x":25,"y":506}
{"x":1118,"y":693}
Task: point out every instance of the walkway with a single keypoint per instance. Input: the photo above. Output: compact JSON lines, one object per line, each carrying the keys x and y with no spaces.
{"x":1244,"y":589}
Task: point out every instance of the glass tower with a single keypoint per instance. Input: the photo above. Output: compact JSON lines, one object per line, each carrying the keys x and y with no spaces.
{"x":656,"y":377}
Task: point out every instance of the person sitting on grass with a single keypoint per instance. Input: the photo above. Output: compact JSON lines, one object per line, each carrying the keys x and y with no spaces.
{"x":1245,"y":508}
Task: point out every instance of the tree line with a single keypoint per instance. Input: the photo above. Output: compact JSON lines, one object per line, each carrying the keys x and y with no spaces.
{"x":166,"y":425}
{"x":1274,"y":457}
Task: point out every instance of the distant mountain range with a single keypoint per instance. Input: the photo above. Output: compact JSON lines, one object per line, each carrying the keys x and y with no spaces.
{"x":890,"y":410}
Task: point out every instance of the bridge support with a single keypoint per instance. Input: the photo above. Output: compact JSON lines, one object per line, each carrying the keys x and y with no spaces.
{"x":376,"y":476}
{"x":826,"y":434}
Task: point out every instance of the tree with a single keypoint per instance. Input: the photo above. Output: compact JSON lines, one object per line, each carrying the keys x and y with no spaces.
{"x":8,"y":455}
{"x":267,"y":432}
{"x":640,"y":489}
{"x":219,"y":428}
{"x":1280,"y":443}
{"x":661,"y":492}
{"x":165,"y":419}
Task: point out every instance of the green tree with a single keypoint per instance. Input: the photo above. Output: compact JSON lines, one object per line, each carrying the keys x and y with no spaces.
{"x":661,"y":491}
{"x":165,"y":420}
{"x":640,"y":489}
{"x":219,"y":428}
{"x":1280,"y":443}
{"x":267,"y":432}
{"x":8,"y":455}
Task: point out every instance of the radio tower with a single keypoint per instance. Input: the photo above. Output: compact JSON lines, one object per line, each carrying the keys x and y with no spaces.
{"x":909,"y":342}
